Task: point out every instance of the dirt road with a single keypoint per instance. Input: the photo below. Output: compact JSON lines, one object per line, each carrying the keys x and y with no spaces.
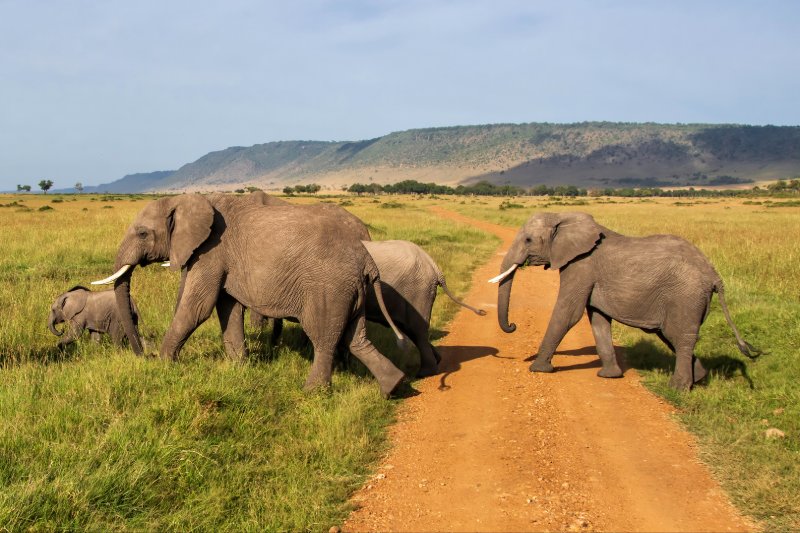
{"x":489,"y":446}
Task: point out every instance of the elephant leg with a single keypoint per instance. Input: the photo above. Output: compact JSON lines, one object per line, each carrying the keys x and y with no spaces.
{"x":322,"y":366}
{"x":277,"y":329}
{"x":567,"y":312}
{"x":194,"y":307}
{"x":257,"y":320}
{"x":231,"y":322}
{"x":601,"y":328}
{"x":683,"y":376}
{"x":429,"y":364}
{"x":73,"y":332}
{"x":389,"y":376}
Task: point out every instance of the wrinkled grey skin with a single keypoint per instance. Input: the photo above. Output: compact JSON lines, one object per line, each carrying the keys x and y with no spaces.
{"x":661,"y":284}
{"x":279,"y":261}
{"x":346,"y":223}
{"x":82,"y":309}
{"x":409,"y":280}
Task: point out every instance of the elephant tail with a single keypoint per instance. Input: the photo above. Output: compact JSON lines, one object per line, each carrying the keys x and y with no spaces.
{"x":374,"y":277}
{"x":443,"y":284}
{"x":745,"y":347}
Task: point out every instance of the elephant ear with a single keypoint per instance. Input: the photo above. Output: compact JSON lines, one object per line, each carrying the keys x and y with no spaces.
{"x":73,"y":301}
{"x":574,"y":234}
{"x":189,"y":222}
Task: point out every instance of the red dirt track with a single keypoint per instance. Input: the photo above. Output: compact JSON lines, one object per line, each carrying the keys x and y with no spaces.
{"x":489,"y":446}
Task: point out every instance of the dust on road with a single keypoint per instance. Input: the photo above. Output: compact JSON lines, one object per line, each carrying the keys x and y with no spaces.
{"x":489,"y":446}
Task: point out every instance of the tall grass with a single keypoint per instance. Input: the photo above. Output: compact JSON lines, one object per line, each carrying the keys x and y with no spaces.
{"x":756,"y":250}
{"x":96,"y":438}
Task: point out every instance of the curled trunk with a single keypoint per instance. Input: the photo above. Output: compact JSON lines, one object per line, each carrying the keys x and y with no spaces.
{"x":122,"y":291}
{"x":51,"y":325}
{"x":503,"y":299}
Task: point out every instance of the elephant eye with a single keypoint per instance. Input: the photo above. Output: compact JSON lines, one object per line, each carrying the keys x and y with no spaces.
{"x":142,"y":233}
{"x":527,"y":240}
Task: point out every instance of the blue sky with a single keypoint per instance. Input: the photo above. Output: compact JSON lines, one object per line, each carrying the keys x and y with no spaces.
{"x":93,"y":90}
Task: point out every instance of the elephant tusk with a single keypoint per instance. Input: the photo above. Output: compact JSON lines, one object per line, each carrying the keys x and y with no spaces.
{"x":166,"y":264}
{"x":504,"y":275}
{"x":112,"y":277}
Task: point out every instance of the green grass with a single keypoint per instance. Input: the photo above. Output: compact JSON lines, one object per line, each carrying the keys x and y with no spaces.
{"x":756,"y":251}
{"x":98,"y":439}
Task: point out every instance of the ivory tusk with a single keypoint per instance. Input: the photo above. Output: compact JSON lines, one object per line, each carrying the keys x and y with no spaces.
{"x":110,"y":279}
{"x":166,"y":264}
{"x":504,"y":275}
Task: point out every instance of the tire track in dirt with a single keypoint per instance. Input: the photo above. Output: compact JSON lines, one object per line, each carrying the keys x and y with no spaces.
{"x":489,"y":446}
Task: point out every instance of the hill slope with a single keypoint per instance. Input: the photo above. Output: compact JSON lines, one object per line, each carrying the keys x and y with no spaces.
{"x":594,"y":154}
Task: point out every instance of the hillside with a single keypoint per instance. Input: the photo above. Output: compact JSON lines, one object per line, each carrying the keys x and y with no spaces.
{"x":590,"y":154}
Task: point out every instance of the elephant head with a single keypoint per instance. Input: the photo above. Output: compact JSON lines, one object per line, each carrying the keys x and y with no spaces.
{"x":66,"y":306}
{"x":169,"y":229}
{"x":548,"y":239}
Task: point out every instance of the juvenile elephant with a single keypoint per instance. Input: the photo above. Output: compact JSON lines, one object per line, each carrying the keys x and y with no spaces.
{"x":409,"y":280}
{"x":281,"y":261}
{"x":82,"y":309}
{"x":661,"y":284}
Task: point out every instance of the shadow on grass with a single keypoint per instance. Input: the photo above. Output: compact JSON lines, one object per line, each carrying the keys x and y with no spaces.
{"x":648,"y":355}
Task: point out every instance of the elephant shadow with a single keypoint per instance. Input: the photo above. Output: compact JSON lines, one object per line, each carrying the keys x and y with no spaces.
{"x":647,"y":354}
{"x":454,"y":356}
{"x":586,"y":350}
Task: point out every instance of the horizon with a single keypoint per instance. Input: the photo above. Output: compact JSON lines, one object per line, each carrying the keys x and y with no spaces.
{"x":97,"y":92}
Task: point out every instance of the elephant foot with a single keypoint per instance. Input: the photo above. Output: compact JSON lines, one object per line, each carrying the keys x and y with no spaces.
{"x":613,"y":372}
{"x":390,"y":383}
{"x":699,"y":371}
{"x":540,"y":365}
{"x":313,"y":385}
{"x":680,"y":383}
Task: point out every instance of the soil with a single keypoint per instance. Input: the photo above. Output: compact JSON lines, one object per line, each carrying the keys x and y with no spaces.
{"x":489,"y":446}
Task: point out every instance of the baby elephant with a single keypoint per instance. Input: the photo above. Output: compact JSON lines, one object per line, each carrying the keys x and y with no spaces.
{"x":81,"y":309}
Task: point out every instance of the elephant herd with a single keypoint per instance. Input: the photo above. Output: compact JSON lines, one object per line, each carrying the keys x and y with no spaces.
{"x":317,"y":265}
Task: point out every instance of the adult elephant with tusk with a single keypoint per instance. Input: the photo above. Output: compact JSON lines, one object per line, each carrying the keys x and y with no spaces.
{"x":661,"y":284}
{"x":281,"y":261}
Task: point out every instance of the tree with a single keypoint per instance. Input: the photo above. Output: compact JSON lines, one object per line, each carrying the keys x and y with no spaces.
{"x":289,"y":191}
{"x":45,"y":185}
{"x":79,"y":187}
{"x":23,"y":188}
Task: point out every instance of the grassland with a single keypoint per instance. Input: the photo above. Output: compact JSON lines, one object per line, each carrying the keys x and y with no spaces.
{"x":756,"y":250}
{"x":97,"y":439}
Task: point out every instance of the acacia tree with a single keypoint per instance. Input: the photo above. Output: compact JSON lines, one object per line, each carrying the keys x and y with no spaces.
{"x":45,"y":185}
{"x":23,"y":188}
{"x":79,"y":187}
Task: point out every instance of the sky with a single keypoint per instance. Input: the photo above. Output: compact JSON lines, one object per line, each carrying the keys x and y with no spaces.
{"x":93,"y":90}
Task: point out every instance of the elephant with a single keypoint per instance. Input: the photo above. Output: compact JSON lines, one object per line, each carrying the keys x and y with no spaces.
{"x":409,"y":280}
{"x":82,"y":309}
{"x":281,"y":261}
{"x":660,"y":283}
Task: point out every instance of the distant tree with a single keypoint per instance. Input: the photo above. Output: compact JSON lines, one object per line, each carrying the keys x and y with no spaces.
{"x":313,"y":188}
{"x":288,"y":190}
{"x":45,"y":185}
{"x":79,"y":187}
{"x":252,"y":189}
{"x":23,"y":188}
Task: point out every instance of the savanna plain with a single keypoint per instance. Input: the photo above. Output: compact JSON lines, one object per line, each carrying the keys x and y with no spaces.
{"x":96,"y":438}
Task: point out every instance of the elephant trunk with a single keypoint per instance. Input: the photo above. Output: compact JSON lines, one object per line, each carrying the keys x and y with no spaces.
{"x":503,"y":299}
{"x":122,"y":292}
{"x":51,"y":325}
{"x":515,"y":256}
